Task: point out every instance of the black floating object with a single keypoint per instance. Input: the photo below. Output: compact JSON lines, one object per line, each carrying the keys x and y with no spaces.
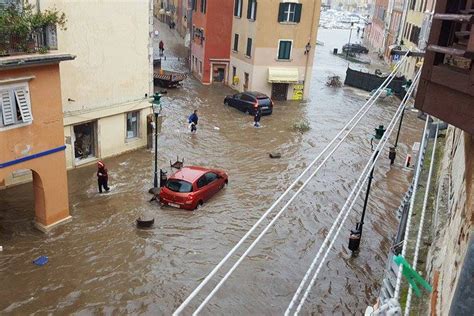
{"x":145,"y":222}
{"x":275,"y":155}
{"x":164,"y":91}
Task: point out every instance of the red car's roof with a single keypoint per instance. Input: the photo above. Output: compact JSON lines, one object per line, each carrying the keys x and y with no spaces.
{"x":190,"y":173}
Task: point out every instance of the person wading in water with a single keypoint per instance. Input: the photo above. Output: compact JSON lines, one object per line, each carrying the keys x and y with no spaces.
{"x":102,"y":176}
{"x":193,"y":121}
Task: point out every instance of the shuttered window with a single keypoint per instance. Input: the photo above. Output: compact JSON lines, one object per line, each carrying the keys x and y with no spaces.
{"x":284,"y":50}
{"x":238,"y":8}
{"x":15,"y":105}
{"x":236,"y":42}
{"x":290,"y":12}
{"x":249,"y":47}
{"x":252,"y":10}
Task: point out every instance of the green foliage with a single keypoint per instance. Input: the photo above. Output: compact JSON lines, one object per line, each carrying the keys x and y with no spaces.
{"x":43,"y":50}
{"x":19,"y":26}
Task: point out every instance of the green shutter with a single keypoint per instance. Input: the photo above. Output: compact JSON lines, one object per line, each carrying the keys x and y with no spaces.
{"x":299,"y":6}
{"x":281,"y":12}
{"x":236,"y":7}
{"x":249,"y":9}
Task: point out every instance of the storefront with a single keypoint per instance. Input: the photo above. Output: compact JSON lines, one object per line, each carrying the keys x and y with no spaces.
{"x":85,"y":142}
{"x":285,"y":84}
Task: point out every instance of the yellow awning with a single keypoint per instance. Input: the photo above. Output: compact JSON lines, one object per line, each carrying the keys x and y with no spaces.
{"x":283,"y":75}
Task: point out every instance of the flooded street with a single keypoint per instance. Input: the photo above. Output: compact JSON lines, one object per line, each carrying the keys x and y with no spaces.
{"x":100,"y":262}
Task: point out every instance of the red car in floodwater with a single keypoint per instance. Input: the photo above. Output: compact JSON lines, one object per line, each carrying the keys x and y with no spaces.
{"x":189,"y":187}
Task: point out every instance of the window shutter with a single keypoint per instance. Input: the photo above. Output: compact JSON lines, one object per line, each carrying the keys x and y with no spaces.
{"x":255,"y":13}
{"x":24,"y":105}
{"x":7,"y":108}
{"x":298,"y":9}
{"x":236,"y":7}
{"x":51,"y":37}
{"x":249,"y":10}
{"x":281,"y":12}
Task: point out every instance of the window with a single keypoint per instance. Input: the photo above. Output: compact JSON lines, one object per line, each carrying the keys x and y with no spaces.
{"x":415,"y":34}
{"x":412,"y":4}
{"x":203,"y":6}
{"x":210,"y":177}
{"x":284,"y":50}
{"x":290,"y":12}
{"x":200,"y":67}
{"x":15,"y":106}
{"x":179,"y":186}
{"x":194,"y":4}
{"x":249,"y":47}
{"x":252,"y":10}
{"x":236,"y":42}
{"x":246,"y":97}
{"x":201,"y":182}
{"x":132,"y":124}
{"x":234,"y":72}
{"x":238,"y":8}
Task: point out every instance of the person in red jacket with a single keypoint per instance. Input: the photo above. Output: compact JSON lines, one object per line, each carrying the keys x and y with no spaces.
{"x":102,"y":176}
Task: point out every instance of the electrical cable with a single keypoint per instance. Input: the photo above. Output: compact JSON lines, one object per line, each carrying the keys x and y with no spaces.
{"x":422,"y":219}
{"x":363,"y":110}
{"x":373,"y":159}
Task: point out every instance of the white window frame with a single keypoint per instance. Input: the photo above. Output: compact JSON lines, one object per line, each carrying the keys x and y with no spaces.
{"x":278,"y":49}
{"x":289,"y":12}
{"x":18,"y":96}
{"x":253,"y":6}
{"x":137,"y":135}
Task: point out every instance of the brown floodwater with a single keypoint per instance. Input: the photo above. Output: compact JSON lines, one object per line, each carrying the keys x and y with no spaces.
{"x":101,"y":263}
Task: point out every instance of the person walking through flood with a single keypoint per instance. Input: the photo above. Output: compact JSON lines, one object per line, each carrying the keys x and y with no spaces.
{"x":102,"y":176}
{"x":256,"y":118}
{"x":193,"y":121}
{"x":162,"y":48}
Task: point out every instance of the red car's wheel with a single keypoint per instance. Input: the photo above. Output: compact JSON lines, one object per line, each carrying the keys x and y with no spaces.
{"x":199,"y":205}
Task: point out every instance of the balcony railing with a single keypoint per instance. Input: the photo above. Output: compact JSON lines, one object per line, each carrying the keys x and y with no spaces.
{"x":40,"y":41}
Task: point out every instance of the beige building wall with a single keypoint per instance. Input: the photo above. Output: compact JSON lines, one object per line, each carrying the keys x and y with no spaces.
{"x":113,"y":71}
{"x":266,"y":32}
{"x":412,"y":64}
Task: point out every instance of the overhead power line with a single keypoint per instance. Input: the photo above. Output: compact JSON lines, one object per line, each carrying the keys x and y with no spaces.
{"x":352,"y":123}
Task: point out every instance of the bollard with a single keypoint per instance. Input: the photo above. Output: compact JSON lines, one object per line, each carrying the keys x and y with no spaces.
{"x":408,"y":160}
{"x":392,"y":154}
{"x":354,"y":240}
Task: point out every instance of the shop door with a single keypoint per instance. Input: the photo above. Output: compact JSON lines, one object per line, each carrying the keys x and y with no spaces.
{"x":218,"y":73}
{"x":279,"y":91}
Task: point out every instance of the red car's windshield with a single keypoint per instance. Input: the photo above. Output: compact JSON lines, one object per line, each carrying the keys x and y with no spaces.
{"x":179,"y":186}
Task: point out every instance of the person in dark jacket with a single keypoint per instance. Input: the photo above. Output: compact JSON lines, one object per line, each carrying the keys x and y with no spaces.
{"x":102,"y":176}
{"x":256,"y":118}
{"x":161,"y":46}
{"x":193,"y":121}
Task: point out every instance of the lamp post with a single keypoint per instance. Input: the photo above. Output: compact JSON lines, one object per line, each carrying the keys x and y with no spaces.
{"x":349,"y":44}
{"x":156,"y":105}
{"x":356,"y":234}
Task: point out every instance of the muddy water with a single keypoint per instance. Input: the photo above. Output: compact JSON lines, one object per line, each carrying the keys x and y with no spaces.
{"x":100,"y":263}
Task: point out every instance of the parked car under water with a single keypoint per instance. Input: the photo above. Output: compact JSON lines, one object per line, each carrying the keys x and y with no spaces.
{"x":249,"y":101}
{"x":355,"y":48}
{"x":189,"y":187}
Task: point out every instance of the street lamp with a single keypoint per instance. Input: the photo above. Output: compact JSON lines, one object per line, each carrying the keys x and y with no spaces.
{"x":156,"y":106}
{"x":356,"y":234}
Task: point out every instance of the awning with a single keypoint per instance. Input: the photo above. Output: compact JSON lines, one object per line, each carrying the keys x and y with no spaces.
{"x":283,"y":75}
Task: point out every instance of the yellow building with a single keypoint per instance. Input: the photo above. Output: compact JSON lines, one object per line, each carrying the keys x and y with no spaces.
{"x":105,"y":90}
{"x":272,"y":47}
{"x":31,"y":132}
{"x":415,"y":33}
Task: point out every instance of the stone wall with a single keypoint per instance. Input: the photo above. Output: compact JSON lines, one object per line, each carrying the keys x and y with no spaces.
{"x":453,"y":219}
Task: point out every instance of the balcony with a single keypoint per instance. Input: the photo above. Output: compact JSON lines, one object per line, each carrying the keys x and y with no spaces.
{"x":25,"y":30}
{"x":447,"y":81}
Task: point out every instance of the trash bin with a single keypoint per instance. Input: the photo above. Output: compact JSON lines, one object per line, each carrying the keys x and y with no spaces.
{"x":334,"y":51}
{"x":354,"y":240}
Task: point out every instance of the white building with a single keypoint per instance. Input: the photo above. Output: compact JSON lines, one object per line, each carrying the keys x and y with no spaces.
{"x":105,"y":90}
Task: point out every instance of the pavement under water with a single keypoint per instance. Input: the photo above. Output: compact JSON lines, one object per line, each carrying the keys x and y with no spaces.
{"x":101,"y":263}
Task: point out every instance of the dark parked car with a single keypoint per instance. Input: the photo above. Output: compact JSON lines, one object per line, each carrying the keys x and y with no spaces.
{"x":249,"y":101}
{"x":355,"y":48}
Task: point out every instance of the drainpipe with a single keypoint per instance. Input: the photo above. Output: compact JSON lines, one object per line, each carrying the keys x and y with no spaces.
{"x":387,"y":26}
{"x":305,"y":88}
{"x":402,"y":21}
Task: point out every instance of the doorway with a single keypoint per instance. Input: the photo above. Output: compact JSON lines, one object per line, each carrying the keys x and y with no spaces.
{"x":218,"y":73}
{"x":246,"y":81}
{"x":279,"y":91}
{"x":85,"y":137}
